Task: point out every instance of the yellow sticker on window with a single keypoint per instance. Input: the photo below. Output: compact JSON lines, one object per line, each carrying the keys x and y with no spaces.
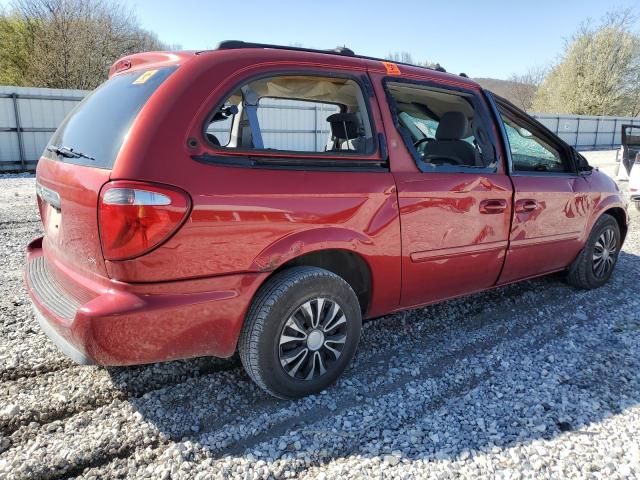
{"x":144,"y":77}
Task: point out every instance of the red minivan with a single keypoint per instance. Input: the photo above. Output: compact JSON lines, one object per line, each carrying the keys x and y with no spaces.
{"x":265,"y":199}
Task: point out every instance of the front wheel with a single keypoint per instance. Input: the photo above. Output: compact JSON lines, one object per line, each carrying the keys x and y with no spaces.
{"x":593,"y":267}
{"x":301,"y":332}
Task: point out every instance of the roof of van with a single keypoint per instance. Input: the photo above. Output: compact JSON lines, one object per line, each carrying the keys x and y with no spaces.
{"x":339,"y":55}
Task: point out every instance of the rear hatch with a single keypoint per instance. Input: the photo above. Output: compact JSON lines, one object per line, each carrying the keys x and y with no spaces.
{"x":78,"y":161}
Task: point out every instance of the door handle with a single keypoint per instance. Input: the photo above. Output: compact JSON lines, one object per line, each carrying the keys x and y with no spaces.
{"x":526,"y":205}
{"x":493,"y":206}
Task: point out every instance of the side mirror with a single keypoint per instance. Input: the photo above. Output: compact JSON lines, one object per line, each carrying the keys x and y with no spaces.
{"x":581,"y":162}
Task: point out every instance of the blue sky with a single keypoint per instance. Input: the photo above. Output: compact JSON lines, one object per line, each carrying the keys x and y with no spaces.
{"x":483,"y":38}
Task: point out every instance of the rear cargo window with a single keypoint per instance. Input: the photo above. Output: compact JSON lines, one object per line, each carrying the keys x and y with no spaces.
{"x":93,"y":132}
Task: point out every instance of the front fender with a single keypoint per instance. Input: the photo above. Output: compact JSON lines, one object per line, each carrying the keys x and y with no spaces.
{"x":606,"y":202}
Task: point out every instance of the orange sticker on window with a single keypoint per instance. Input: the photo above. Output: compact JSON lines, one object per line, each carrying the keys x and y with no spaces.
{"x":391,"y":68}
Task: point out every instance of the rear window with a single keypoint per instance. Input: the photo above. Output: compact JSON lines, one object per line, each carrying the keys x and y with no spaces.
{"x":97,"y":127}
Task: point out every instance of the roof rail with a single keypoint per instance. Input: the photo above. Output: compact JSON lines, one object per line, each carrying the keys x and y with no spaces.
{"x":237,"y":44}
{"x":344,"y":51}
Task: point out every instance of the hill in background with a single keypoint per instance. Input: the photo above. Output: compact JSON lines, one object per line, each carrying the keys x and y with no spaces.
{"x":520,"y":94}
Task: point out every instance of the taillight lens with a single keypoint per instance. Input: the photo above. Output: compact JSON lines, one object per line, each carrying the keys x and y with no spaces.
{"x":136,"y":217}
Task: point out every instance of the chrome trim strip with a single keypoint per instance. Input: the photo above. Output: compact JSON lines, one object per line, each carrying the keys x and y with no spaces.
{"x":442,"y":253}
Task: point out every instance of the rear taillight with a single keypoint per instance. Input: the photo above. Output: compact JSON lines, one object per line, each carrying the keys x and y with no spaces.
{"x":136,"y":217}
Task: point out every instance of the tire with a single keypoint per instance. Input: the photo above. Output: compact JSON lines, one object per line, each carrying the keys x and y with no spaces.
{"x":587,"y":269}
{"x":283,"y":322}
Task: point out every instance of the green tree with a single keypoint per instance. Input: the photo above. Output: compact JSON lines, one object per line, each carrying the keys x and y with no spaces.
{"x":13,"y":50}
{"x":599,"y":73}
{"x":68,"y":43}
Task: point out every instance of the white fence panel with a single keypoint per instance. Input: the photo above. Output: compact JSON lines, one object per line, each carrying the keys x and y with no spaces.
{"x":28,"y":118}
{"x":587,"y":132}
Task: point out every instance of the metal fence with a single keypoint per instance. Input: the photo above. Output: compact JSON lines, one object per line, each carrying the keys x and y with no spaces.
{"x":303,"y":128}
{"x":587,"y":132}
{"x":29,"y":116}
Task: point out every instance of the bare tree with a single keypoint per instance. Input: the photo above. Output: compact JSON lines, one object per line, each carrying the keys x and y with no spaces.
{"x":72,"y":43}
{"x":523,"y":87}
{"x":405,"y":57}
{"x":402,"y":57}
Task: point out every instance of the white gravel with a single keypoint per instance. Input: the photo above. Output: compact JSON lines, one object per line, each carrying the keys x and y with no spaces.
{"x":527,"y":381}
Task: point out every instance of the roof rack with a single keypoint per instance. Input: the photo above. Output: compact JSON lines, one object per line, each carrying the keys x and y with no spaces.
{"x":344,"y":51}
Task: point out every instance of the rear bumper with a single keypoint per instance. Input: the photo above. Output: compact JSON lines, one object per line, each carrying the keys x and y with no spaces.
{"x":69,"y":349}
{"x":114,"y":323}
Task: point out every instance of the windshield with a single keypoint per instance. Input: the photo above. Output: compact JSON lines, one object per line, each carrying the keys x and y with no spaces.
{"x":94,"y":131}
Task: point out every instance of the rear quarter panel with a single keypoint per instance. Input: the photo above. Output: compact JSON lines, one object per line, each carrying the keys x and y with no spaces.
{"x":248,"y":219}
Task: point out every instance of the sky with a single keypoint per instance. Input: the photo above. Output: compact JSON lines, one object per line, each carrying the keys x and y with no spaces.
{"x":483,"y":38}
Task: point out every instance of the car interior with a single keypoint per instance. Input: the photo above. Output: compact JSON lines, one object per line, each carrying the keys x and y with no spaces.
{"x":443,"y":127}
{"x":241,"y":122}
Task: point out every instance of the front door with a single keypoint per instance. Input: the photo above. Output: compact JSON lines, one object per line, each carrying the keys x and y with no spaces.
{"x":551,"y":201}
{"x":454,"y":197}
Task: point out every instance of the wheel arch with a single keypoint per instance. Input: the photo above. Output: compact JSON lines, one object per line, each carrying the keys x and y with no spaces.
{"x":347,"y":253}
{"x":352,"y":267}
{"x":620,"y":215}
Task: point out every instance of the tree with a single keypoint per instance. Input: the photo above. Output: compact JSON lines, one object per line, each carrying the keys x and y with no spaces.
{"x":402,"y":57}
{"x":522,"y":88}
{"x":405,"y":57}
{"x":13,"y":52}
{"x":69,"y":43}
{"x":599,"y":72}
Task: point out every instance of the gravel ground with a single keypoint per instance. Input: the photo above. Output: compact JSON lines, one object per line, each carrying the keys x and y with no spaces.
{"x":531,"y":380}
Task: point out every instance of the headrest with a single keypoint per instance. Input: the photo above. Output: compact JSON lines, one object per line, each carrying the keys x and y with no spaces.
{"x":344,"y":126}
{"x":452,"y":126}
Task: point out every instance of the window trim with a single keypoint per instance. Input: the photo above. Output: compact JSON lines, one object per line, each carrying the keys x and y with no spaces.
{"x":292,"y":163}
{"x":483,"y":111}
{"x":501,"y":105}
{"x":375,"y":156}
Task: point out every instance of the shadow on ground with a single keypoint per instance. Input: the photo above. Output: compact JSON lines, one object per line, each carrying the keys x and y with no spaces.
{"x":524,"y":362}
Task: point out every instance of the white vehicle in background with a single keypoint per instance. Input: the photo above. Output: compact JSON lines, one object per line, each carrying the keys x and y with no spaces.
{"x":634,"y":183}
{"x":629,"y":149}
{"x":621,"y":173}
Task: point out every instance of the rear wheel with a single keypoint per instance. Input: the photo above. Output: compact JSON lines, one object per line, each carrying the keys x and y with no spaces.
{"x":593,"y":267}
{"x":301,"y":332}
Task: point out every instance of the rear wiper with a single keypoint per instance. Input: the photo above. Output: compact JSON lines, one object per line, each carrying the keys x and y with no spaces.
{"x":67,"y":152}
